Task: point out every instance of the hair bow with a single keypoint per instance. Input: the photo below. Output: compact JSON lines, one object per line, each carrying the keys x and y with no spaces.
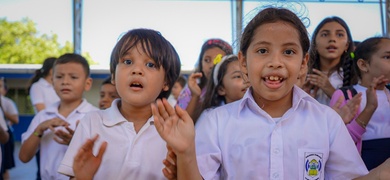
{"x":217,"y":59}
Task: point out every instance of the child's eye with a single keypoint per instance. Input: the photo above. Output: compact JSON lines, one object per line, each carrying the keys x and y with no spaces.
{"x":207,"y":60}
{"x":324,"y":34}
{"x":386,"y":57}
{"x":151,"y":65}
{"x":289,"y":52}
{"x":340,"y":35}
{"x":127,"y":61}
{"x":237,"y":76}
{"x":262,"y":51}
{"x":58,"y":77}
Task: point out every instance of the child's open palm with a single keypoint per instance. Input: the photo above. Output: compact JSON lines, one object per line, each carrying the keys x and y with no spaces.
{"x":321,"y":80}
{"x":372,"y":101}
{"x":193,"y":84}
{"x":85,"y":164}
{"x":175,"y":126}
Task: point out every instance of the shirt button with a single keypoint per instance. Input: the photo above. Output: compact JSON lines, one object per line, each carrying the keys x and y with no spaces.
{"x":276,"y":151}
{"x":276,"y":175}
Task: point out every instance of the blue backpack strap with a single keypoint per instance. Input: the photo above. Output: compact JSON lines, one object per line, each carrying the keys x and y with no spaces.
{"x":345,"y":91}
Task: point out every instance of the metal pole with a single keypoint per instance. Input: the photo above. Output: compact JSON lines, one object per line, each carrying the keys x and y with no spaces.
{"x":77,"y":17}
{"x":236,"y":8}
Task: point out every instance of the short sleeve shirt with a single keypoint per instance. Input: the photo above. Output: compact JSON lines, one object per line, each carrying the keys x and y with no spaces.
{"x":43,"y":92}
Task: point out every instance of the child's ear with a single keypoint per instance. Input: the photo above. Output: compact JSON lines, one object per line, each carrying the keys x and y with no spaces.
{"x":88,"y":84}
{"x":242,"y":62}
{"x":165,"y":87}
{"x":221,"y":91}
{"x":304,"y":68}
{"x":363,"y":65}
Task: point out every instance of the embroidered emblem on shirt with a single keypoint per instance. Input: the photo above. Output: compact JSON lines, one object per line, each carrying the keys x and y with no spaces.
{"x":313,"y":166}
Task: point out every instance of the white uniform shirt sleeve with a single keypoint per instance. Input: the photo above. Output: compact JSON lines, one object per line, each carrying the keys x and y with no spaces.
{"x":36,"y":94}
{"x":79,"y":138}
{"x":3,"y":124}
{"x":9,"y":106}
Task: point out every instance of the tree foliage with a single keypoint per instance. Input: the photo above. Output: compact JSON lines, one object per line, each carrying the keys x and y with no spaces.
{"x":20,"y":43}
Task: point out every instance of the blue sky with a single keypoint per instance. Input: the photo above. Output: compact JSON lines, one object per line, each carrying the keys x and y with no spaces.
{"x":186,"y":24}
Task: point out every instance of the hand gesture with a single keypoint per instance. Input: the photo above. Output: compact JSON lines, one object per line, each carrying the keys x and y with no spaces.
{"x":321,"y":80}
{"x":175,"y":126}
{"x":372,"y":100}
{"x":193,"y":84}
{"x":51,"y":124}
{"x":85,"y":164}
{"x":348,"y":111}
{"x":63,"y":137}
{"x":170,"y":169}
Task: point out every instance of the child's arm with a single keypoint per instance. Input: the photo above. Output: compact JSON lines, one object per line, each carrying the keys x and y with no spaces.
{"x":31,"y":144}
{"x":85,"y":164}
{"x":195,"y":93}
{"x":4,"y":136}
{"x":170,"y":169}
{"x":382,"y":172}
{"x":176,"y":127}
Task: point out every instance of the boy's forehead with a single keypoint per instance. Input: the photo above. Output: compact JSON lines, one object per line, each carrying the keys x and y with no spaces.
{"x":71,"y":67}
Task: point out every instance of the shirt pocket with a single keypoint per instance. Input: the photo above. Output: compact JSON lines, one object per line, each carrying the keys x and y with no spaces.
{"x":311,"y":164}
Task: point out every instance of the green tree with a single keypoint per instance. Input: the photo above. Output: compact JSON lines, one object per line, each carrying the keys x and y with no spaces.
{"x":20,"y":43}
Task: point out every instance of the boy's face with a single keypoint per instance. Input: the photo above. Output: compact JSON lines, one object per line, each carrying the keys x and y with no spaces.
{"x":70,"y":81}
{"x":137,"y":79}
{"x":273,"y":62}
{"x":107,"y":95}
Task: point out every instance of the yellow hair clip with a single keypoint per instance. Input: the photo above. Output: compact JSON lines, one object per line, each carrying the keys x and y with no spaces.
{"x":217,"y":59}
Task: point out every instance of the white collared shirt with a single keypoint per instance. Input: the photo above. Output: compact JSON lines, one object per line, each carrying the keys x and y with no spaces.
{"x":51,"y":152}
{"x":129,"y":155}
{"x":43,"y":92}
{"x":241,"y":141}
{"x":8,"y":106}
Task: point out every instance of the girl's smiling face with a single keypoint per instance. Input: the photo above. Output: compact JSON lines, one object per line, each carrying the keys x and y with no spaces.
{"x":273,"y":62}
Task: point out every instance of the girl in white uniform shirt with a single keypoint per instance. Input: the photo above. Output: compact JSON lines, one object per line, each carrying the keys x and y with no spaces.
{"x":51,"y":129}
{"x":41,"y":90}
{"x":276,"y":131}
{"x":144,"y":66}
{"x":329,"y":51}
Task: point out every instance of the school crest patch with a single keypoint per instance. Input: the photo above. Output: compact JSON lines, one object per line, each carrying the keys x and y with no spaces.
{"x":313,"y":166}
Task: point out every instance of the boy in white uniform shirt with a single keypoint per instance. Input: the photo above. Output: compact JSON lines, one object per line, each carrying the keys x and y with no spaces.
{"x":144,"y":66}
{"x":52,"y":129}
{"x":276,"y":131}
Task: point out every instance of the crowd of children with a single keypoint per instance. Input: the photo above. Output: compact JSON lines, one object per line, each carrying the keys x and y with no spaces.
{"x":283,"y":107}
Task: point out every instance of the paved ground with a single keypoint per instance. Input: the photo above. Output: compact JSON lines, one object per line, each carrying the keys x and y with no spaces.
{"x":23,"y":171}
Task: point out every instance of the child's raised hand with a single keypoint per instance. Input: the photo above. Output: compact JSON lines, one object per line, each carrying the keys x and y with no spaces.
{"x":379,"y":82}
{"x":321,"y":80}
{"x":85,"y":164}
{"x":193,"y":84}
{"x":348,"y":111}
{"x":175,"y":126}
{"x":170,"y":169}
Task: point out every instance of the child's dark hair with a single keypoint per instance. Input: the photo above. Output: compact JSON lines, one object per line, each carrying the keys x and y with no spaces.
{"x":182,"y":81}
{"x":211,"y":43}
{"x":156,"y":47}
{"x":107,"y":81}
{"x":212,"y":98}
{"x":271,"y":15}
{"x":345,"y":62}
{"x":74,"y":58}
{"x":42,"y":72}
{"x":365,"y":50}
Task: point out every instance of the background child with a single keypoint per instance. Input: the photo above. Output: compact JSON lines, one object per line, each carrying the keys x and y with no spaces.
{"x":11,"y":116}
{"x":51,"y":129}
{"x":107,"y":94}
{"x":40,"y":88}
{"x":372,"y":122}
{"x":176,"y":89}
{"x":192,"y":95}
{"x":227,"y":84}
{"x":274,"y":131}
{"x":330,"y":47}
{"x":144,"y":66}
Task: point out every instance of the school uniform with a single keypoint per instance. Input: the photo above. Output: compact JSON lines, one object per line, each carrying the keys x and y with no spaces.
{"x":336,"y":80}
{"x":51,"y":152}
{"x":129,"y":155}
{"x":8,"y":148}
{"x":42,"y":92}
{"x":3,"y":125}
{"x":241,"y":141}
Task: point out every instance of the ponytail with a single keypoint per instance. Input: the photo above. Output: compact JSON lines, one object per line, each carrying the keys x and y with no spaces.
{"x":42,"y":72}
